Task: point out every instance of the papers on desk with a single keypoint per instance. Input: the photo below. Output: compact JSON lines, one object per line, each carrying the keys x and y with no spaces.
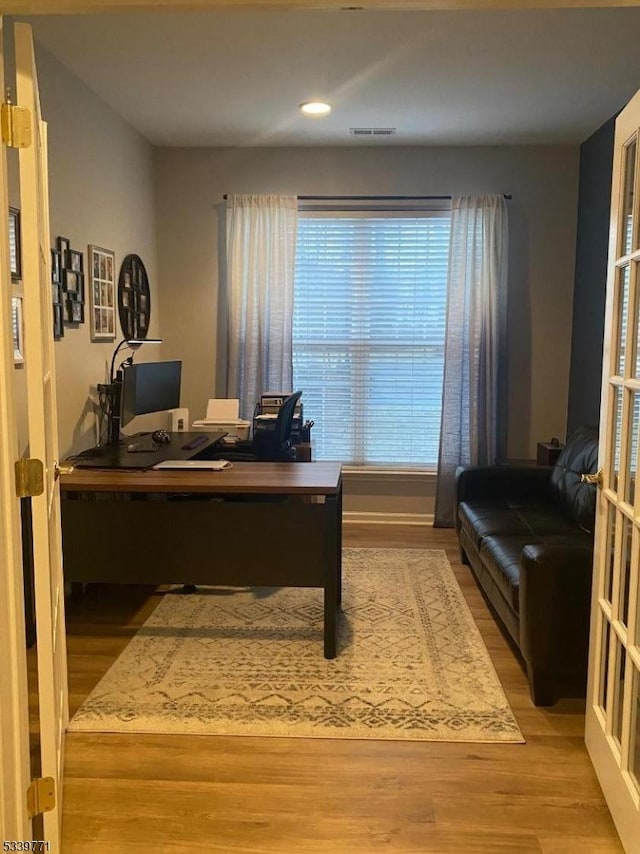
{"x":206,"y":465}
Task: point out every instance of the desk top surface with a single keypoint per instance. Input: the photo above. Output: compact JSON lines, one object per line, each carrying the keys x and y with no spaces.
{"x":319,"y":478}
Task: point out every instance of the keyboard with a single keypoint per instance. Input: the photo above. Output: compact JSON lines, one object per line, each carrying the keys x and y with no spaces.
{"x":143,"y":446}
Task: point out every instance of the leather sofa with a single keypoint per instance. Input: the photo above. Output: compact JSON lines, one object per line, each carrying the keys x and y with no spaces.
{"x":527,"y":534}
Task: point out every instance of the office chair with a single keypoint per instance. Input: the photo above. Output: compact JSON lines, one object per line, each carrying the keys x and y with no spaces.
{"x":268,"y":445}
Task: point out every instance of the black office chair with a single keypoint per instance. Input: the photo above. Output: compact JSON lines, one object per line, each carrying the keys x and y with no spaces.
{"x":269,"y":445}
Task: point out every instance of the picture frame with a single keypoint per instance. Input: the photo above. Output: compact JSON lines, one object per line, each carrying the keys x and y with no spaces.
{"x":75,"y":311}
{"x":17,"y":330}
{"x":134,"y":298}
{"x":71,"y":282}
{"x":56,"y":268}
{"x":63,"y":244}
{"x":57,"y":288}
{"x":58,"y":321}
{"x":71,"y":279}
{"x":102,"y":293}
{"x":15,"y":245}
{"x":74,"y":261}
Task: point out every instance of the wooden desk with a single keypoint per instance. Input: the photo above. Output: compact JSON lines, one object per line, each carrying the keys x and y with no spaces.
{"x":255,"y":524}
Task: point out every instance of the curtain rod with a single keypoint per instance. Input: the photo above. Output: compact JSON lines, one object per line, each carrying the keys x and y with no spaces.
{"x":507,"y":196}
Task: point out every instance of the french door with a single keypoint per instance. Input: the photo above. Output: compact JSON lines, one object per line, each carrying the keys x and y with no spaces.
{"x":24,"y":129}
{"x":15,"y":774}
{"x":613,"y":698}
{"x":43,"y":433}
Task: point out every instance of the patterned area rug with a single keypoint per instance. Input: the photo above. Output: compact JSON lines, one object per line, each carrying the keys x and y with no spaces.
{"x":237,"y":661}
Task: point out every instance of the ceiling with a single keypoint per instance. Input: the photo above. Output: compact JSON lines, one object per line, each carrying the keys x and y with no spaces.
{"x":236,"y":77}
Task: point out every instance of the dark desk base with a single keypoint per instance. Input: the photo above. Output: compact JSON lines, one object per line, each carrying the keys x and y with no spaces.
{"x":246,"y":540}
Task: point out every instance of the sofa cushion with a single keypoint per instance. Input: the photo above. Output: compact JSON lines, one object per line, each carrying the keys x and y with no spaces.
{"x":480,"y":519}
{"x":501,"y":555}
{"x":580,"y":456}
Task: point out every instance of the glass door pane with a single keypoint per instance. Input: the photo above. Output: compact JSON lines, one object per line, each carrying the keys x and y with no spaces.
{"x":614,"y":462}
{"x":623,"y":318}
{"x":625,"y":572}
{"x":632,"y":456}
{"x":603,"y":683}
{"x":618,"y":691}
{"x":634,"y":757}
{"x":609,"y":552}
{"x":627,"y":201}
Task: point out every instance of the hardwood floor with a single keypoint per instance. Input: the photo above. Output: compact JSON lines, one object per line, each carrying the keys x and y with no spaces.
{"x":256,"y":795}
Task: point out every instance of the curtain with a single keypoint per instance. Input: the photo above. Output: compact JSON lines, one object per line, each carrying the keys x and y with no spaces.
{"x":261,"y":249}
{"x":474,"y":342}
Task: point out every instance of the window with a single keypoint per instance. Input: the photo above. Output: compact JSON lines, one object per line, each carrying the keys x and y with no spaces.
{"x":368,"y":333}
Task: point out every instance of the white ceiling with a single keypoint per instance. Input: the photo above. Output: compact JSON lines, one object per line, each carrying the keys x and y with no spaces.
{"x":441,"y":78}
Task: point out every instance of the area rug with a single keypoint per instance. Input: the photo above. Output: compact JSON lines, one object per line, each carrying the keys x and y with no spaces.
{"x":249,"y":661}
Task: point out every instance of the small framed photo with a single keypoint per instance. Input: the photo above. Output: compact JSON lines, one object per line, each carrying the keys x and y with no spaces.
{"x":75,"y":311}
{"x":74,"y":261}
{"x":56,"y":267}
{"x":58,"y":321}
{"x":101,"y":264}
{"x":15,"y":249}
{"x":16,"y":323}
{"x":63,"y":247}
{"x":70,"y":282}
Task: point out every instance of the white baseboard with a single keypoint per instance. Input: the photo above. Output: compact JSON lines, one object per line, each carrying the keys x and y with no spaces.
{"x":355,"y":516}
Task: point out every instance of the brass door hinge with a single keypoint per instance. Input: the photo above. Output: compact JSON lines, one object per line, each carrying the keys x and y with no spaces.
{"x":596,"y":478}
{"x":16,"y":126}
{"x":41,"y":796}
{"x":29,"y":478}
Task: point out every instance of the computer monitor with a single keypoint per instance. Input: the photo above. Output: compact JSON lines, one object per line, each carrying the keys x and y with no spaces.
{"x":149,"y":387}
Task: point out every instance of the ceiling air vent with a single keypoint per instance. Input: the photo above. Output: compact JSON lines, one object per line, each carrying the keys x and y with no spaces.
{"x":372,"y":131}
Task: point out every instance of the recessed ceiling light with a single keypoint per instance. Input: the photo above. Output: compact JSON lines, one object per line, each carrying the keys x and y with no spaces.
{"x":315,"y":108}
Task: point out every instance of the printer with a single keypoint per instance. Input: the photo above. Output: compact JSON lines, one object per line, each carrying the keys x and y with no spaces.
{"x":222,"y":414}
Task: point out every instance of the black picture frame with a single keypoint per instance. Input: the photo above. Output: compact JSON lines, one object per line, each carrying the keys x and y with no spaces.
{"x":75,"y":261}
{"x":72,"y":282}
{"x":58,"y":321}
{"x":74,"y":312}
{"x":63,"y":244}
{"x":57,"y":295}
{"x":15,"y":245}
{"x":56,"y":267}
{"x":134,"y":298}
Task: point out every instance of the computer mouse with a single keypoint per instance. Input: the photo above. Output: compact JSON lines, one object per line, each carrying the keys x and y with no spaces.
{"x":161,"y":437}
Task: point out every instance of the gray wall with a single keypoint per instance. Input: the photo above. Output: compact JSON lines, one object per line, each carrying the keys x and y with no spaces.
{"x":101,"y":191}
{"x":543,"y":181}
{"x":592,"y":249}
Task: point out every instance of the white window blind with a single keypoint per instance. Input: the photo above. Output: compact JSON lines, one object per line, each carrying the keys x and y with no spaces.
{"x":368,"y":333}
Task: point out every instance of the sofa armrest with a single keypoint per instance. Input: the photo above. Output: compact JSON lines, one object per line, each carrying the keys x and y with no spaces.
{"x":555,"y":604}
{"x":488,"y":482}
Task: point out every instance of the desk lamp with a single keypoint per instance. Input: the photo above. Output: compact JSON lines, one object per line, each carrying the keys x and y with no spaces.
{"x":111,"y":392}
